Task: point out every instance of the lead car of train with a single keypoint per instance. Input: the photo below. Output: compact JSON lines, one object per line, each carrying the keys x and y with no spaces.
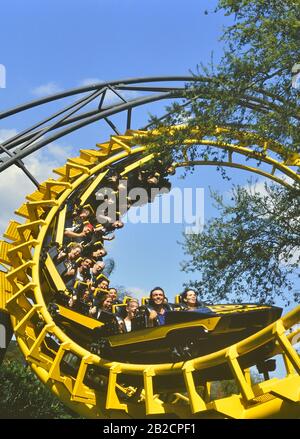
{"x":185,"y":334}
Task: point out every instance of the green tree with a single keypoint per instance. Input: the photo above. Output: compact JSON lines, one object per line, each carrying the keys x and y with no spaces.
{"x":22,"y":395}
{"x":250,"y":89}
{"x":248,"y":92}
{"x":250,"y":249}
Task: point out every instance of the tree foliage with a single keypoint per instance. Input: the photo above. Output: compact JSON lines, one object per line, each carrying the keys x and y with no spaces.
{"x":250,"y":89}
{"x":250,"y":249}
{"x":23,"y":396}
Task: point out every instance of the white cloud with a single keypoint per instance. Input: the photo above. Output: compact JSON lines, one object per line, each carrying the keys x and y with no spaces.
{"x":137,"y":292}
{"x":110,"y":97}
{"x":6,"y":134}
{"x":54,"y":155}
{"x":294,"y":258}
{"x":15,"y":185}
{"x":259,"y":186}
{"x":46,"y":89}
{"x":90,"y":81}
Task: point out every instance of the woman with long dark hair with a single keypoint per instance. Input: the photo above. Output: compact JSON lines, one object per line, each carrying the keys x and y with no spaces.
{"x":190,"y":298}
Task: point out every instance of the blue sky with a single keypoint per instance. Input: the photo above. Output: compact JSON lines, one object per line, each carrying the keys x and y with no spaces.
{"x":51,"y":46}
{"x":67,"y":42}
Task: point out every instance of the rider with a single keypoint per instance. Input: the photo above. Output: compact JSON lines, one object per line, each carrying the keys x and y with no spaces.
{"x":101,"y":303}
{"x":131,"y":308}
{"x":190,"y":299}
{"x":158,"y":307}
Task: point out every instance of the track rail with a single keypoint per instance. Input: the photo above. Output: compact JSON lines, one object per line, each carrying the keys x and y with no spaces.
{"x":134,"y":390}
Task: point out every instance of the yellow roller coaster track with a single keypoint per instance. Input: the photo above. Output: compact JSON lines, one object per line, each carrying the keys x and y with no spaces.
{"x":22,"y":297}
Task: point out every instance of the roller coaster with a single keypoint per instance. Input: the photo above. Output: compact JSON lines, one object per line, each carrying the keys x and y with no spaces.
{"x":96,"y":386}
